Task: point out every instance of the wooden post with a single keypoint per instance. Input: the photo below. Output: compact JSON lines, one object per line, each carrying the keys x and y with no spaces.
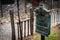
{"x":31,"y":21}
{"x":25,"y":7}
{"x":19,"y":20}
{"x":12,"y":25}
{"x":42,"y":37}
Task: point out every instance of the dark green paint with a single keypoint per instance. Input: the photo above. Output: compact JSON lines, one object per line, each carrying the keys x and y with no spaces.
{"x":43,"y":19}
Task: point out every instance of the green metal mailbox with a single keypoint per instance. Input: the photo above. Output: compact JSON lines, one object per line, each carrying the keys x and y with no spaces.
{"x":43,"y":19}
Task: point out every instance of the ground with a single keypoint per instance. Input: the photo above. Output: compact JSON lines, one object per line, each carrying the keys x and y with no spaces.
{"x":54,"y":35}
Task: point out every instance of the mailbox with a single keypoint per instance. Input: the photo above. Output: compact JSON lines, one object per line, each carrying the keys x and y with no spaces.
{"x":43,"y":19}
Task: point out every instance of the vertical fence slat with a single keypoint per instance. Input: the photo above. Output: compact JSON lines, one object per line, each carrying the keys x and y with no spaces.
{"x":26,"y":28}
{"x":34,"y":26}
{"x":29,"y":28}
{"x":23,"y":29}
